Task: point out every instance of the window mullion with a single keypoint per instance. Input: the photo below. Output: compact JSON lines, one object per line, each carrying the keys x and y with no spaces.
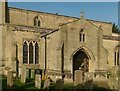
{"x":28,"y":54}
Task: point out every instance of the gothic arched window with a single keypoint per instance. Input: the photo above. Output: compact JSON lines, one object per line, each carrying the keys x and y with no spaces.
{"x":25,"y":53}
{"x":115,"y":58}
{"x":118,"y":58}
{"x":36,"y":53}
{"x":83,"y":37}
{"x":36,"y":21}
{"x":30,"y":53}
{"x":117,"y":55}
{"x":80,"y":36}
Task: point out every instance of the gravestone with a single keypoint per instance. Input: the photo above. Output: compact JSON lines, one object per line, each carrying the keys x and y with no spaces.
{"x":10,"y":78}
{"x":38,"y":81}
{"x":27,"y":73}
{"x":88,"y":84}
{"x":59,"y":84}
{"x":23,"y":75}
{"x":46,"y":83}
{"x":78,"y":77}
{"x":32,"y":74}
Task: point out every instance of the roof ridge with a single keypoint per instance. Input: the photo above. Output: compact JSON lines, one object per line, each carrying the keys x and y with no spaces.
{"x":42,"y":12}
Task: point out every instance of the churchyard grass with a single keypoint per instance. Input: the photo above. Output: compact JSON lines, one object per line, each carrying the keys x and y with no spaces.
{"x":30,"y":84}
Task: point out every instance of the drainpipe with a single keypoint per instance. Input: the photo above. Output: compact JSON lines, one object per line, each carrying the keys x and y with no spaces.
{"x":45,"y":54}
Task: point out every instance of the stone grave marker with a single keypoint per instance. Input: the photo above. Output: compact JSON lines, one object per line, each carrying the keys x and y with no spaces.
{"x":88,"y":84}
{"x":78,"y":78}
{"x":23,"y":75}
{"x":32,"y":74}
{"x":38,"y":81}
{"x":46,"y":83}
{"x":10,"y":78}
{"x":59,"y":84}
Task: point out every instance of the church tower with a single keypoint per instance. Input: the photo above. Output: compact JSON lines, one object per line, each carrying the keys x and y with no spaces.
{"x":3,"y":28}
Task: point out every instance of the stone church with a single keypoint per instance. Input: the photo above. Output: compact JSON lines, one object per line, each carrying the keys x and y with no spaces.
{"x":57,"y":45}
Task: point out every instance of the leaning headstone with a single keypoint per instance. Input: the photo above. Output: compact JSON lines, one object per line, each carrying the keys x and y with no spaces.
{"x":10,"y":78}
{"x":78,"y":78}
{"x":23,"y":75}
{"x":59,"y":84}
{"x":38,"y":81}
{"x":46,"y":83}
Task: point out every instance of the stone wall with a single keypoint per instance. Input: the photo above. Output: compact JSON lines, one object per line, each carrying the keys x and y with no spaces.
{"x":49,"y":20}
{"x":53,"y":43}
{"x":70,"y":33}
{"x":110,"y":47}
{"x":99,"y":51}
{"x":114,"y":77}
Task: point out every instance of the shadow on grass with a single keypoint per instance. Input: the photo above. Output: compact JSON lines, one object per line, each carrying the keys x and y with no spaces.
{"x":96,"y":88}
{"x":27,"y":85}
{"x":30,"y":84}
{"x":4,"y":83}
{"x":29,"y":80}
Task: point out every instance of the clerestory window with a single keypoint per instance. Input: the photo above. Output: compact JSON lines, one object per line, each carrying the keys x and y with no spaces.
{"x":82,"y":36}
{"x":37,"y":21}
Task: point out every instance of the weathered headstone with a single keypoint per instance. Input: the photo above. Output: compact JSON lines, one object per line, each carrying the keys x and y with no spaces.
{"x":59,"y":84}
{"x":88,"y":80}
{"x":10,"y":78}
{"x":88,"y":84}
{"x":38,"y":81}
{"x":78,"y":78}
{"x":23,"y":75}
{"x":46,"y":83}
{"x":32,"y":74}
{"x":27,"y":73}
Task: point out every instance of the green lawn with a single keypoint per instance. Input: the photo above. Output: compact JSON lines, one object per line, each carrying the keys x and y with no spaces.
{"x":28,"y":85}
{"x":17,"y":84}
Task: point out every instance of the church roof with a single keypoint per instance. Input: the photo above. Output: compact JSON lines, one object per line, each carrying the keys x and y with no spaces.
{"x":117,"y":38}
{"x":78,"y":20}
{"x":58,"y":15}
{"x":43,"y":31}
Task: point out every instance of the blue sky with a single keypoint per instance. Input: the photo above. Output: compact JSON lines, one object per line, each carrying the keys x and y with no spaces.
{"x":101,"y":11}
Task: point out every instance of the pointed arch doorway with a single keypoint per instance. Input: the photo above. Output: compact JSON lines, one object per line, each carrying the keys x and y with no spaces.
{"x":80,"y":61}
